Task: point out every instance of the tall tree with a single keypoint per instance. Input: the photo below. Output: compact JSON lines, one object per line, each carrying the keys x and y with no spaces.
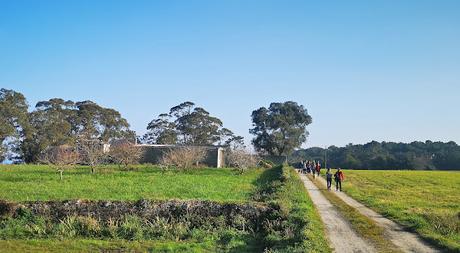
{"x":13,"y":120}
{"x":281,"y":128}
{"x":162,"y":130}
{"x":96,"y":122}
{"x":57,"y":122}
{"x":51,"y":123}
{"x":189,"y":125}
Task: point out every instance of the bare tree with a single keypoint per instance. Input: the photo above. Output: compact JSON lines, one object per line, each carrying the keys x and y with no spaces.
{"x":91,"y":153}
{"x":241,"y":159}
{"x":126,"y":154}
{"x":62,"y":158}
{"x":184,"y":157}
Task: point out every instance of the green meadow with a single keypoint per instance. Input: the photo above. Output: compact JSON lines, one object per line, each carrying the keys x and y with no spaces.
{"x":294,"y":225}
{"x":39,"y":182}
{"x":427,"y":202}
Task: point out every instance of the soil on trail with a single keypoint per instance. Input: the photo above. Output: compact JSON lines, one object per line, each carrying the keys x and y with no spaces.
{"x":405,"y":240}
{"x":341,"y":236}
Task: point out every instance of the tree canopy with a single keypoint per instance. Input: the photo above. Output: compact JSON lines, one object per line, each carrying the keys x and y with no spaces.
{"x":281,"y":128}
{"x":189,"y":125}
{"x":388,"y":155}
{"x":13,"y":120}
{"x":54,"y":122}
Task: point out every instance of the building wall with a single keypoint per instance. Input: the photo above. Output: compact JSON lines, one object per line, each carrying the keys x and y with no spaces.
{"x":154,"y":153}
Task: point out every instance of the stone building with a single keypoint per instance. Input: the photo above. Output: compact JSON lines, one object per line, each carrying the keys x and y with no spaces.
{"x":154,"y":152}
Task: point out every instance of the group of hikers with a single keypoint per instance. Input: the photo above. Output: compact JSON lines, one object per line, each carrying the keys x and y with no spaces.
{"x":314,"y":168}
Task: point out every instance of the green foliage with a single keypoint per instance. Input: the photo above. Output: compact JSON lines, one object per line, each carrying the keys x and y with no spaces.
{"x":298,"y":227}
{"x":424,"y":201}
{"x":130,"y":228}
{"x":96,"y":245}
{"x":58,"y":122}
{"x":387,"y":155}
{"x":190,"y":125}
{"x":281,"y":128}
{"x":13,"y":119}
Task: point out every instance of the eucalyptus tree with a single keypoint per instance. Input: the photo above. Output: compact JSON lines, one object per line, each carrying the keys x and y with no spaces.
{"x":188,"y":124}
{"x":281,"y":128}
{"x":58,"y":122}
{"x":13,"y":120}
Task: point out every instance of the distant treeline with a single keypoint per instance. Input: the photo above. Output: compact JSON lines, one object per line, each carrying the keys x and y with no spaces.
{"x":387,"y":155}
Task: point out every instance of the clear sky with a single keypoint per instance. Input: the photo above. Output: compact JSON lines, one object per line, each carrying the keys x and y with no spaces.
{"x":365,"y":70}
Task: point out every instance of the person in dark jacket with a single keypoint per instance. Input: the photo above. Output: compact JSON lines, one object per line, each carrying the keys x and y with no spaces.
{"x":329,"y":179}
{"x":304,"y":167}
{"x":338,"y":177}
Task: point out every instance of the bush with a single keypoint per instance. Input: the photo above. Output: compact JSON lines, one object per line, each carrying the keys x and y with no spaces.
{"x":62,"y":157}
{"x":241,"y":159}
{"x":184,"y":157}
{"x":126,"y":154}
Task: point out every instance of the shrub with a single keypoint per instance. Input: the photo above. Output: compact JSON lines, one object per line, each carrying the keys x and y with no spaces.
{"x":241,"y":159}
{"x":266,"y":164}
{"x":91,"y":153}
{"x":62,"y":157}
{"x":184,"y":157}
{"x":131,"y":228}
{"x":126,"y":154}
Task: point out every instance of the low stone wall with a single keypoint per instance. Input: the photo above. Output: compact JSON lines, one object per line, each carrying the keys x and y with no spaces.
{"x":193,"y":210}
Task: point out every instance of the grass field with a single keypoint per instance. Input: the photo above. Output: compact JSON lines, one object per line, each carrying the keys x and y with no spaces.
{"x":36,"y":182}
{"x":299,"y":228}
{"x":427,"y":202}
{"x":102,"y":246}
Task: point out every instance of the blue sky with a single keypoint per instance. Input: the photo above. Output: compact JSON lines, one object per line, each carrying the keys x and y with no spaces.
{"x":366,"y":70}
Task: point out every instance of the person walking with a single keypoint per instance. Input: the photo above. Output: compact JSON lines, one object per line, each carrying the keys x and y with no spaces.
{"x":338,"y":177}
{"x":313,"y":168}
{"x":318,"y":168}
{"x":329,"y":179}
{"x":304,"y":168}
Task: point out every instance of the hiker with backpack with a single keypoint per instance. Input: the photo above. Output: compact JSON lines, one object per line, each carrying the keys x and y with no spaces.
{"x":329,"y":179}
{"x":338,"y":177}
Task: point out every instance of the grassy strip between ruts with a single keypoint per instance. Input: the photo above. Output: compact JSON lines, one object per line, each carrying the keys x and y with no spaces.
{"x":363,"y":225}
{"x":302,"y":230}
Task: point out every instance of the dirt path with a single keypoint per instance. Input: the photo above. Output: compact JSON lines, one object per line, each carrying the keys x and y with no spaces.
{"x":341,"y":236}
{"x":406,"y":241}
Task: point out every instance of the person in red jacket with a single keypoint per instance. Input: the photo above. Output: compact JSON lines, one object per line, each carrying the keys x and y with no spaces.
{"x":318,"y":169}
{"x":338,"y":177}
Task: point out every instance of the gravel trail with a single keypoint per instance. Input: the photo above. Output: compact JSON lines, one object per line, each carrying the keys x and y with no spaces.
{"x":342,"y":237}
